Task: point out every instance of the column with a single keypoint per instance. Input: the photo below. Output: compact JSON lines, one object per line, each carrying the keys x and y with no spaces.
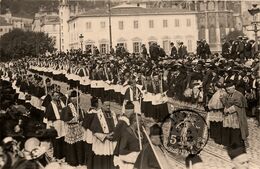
{"x":217,"y":29}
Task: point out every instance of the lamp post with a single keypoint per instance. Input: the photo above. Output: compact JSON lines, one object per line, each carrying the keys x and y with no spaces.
{"x":254,"y":11}
{"x":81,"y":38}
{"x":109,"y":19}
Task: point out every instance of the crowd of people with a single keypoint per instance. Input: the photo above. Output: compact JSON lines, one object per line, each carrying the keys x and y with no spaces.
{"x":38,"y":116}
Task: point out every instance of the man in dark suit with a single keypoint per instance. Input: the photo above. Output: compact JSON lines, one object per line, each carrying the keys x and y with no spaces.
{"x":173,"y":50}
{"x":154,"y":51}
{"x":182,"y":51}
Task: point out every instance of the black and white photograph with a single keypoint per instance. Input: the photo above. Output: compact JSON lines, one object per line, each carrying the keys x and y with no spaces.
{"x":129,"y":84}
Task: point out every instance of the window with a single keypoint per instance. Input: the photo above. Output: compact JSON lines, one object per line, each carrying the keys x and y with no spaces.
{"x":136,"y":47}
{"x":103,"y":25}
{"x":62,"y":41}
{"x":177,"y":23}
{"x":189,"y":45}
{"x":1,"y":29}
{"x":188,"y":22}
{"x":135,"y":24}
{"x":151,"y":24}
{"x":62,"y":28}
{"x":165,"y":23}
{"x":121,"y":25}
{"x":61,"y":13}
{"x":122,"y":44}
{"x":88,"y":25}
{"x":166,"y":45}
{"x":103,"y":48}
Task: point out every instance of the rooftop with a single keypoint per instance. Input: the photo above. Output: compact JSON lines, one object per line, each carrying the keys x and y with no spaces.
{"x":132,"y":11}
{"x":3,"y":22}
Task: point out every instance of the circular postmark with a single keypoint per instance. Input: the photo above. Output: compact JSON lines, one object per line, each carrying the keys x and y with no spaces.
{"x":185,"y":132}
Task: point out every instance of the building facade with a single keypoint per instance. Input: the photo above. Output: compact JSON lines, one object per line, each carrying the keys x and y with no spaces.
{"x":132,"y":26}
{"x":49,"y":23}
{"x":5,"y":27}
{"x":9,"y":22}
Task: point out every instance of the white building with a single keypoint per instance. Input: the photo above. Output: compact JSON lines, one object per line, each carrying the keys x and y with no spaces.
{"x":9,"y":22}
{"x":5,"y":27}
{"x":131,"y":27}
{"x":49,"y":23}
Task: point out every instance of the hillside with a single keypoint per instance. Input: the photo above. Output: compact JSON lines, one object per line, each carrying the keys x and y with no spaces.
{"x":27,"y":8}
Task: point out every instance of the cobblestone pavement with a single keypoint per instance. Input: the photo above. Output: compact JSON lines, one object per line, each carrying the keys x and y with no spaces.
{"x":213,"y":155}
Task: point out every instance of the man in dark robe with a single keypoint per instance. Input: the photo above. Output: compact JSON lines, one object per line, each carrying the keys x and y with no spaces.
{"x":53,"y":120}
{"x":102,"y":127}
{"x":72,"y":115}
{"x":235,"y":127}
{"x":123,"y":123}
{"x":129,"y":146}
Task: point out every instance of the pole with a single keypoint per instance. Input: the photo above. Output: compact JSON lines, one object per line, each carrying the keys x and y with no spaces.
{"x":255,"y":30}
{"x":81,"y":46}
{"x":110,"y":30}
{"x":139,"y":131}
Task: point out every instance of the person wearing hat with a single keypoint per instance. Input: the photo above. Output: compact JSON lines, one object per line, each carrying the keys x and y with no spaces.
{"x":144,"y":52}
{"x":154,"y":52}
{"x":226,"y":48}
{"x":240,"y":48}
{"x":72,"y":115}
{"x":102,"y":127}
{"x":182,"y":51}
{"x":173,"y":51}
{"x":235,"y":127}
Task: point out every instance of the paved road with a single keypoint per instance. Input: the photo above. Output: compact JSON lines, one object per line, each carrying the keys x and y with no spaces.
{"x":213,"y":155}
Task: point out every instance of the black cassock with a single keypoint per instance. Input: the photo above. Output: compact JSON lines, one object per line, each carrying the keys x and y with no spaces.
{"x":73,"y":141}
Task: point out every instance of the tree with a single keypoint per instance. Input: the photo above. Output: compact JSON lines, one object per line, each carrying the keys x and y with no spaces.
{"x":19,"y":43}
{"x":234,"y":34}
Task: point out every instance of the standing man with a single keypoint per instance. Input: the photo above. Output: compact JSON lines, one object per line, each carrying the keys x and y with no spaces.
{"x":133,"y":94}
{"x":182,"y":51}
{"x":129,"y":147}
{"x":73,"y":116}
{"x":53,"y":117}
{"x":235,"y":127}
{"x":173,"y":51}
{"x":102,"y":127}
{"x":144,"y":51}
{"x":226,"y":48}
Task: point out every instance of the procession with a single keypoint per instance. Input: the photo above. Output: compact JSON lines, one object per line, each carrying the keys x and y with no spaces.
{"x":90,"y":85}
